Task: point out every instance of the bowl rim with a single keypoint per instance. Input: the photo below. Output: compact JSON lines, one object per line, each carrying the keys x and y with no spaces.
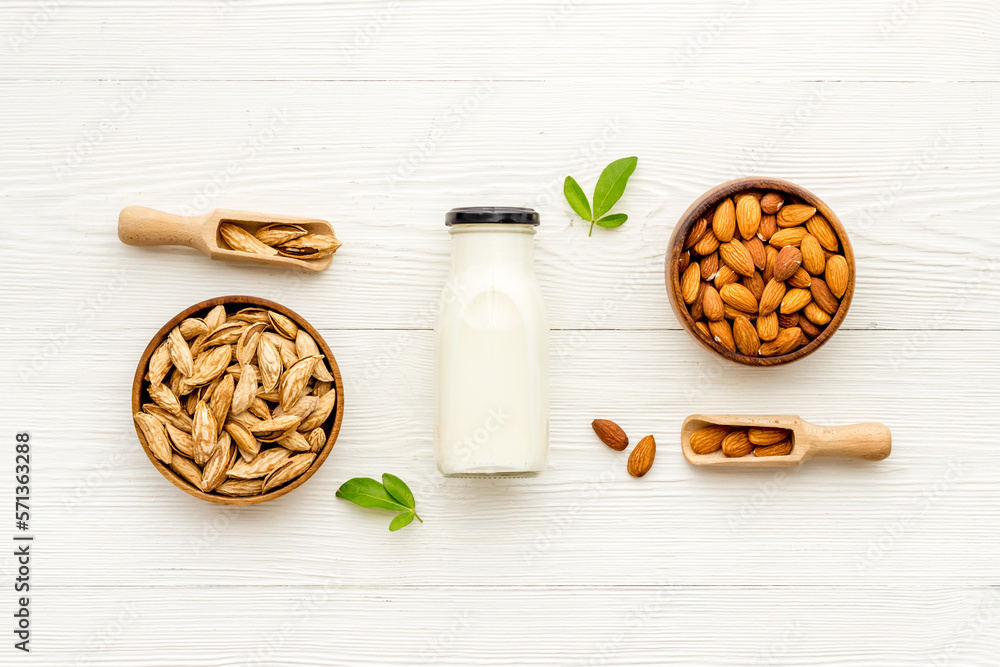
{"x":709,"y":199}
{"x":160,"y":336}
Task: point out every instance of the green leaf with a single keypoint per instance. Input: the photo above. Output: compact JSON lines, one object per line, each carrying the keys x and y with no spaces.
{"x":368,"y":492}
{"x":613,"y":220}
{"x":402,"y":520}
{"x":611,"y":184}
{"x":398,"y":489}
{"x":577,"y":198}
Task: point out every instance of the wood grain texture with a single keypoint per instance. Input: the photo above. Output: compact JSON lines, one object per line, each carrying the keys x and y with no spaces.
{"x":380,"y":117}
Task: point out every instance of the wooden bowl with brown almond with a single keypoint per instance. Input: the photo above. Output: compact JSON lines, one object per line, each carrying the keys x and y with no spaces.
{"x":760,"y":271}
{"x":237,"y":400}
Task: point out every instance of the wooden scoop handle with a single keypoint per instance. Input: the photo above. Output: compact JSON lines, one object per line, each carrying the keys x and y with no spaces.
{"x":141,"y":226}
{"x":869,"y":441}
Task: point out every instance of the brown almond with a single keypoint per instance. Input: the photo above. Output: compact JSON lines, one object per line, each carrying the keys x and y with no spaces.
{"x":747,"y":215}
{"x":787,"y":341}
{"x":708,"y":439}
{"x":771,"y":202}
{"x":641,"y":459}
{"x":767,"y":326}
{"x":783,"y":448}
{"x":712,"y":304}
{"x":610,"y":433}
{"x":816,"y":315}
{"x":724,"y":220}
{"x":767,"y":435}
{"x":837,"y":275}
{"x":738,"y":296}
{"x":809,"y":329}
{"x":722,"y":334}
{"x":774,"y":292}
{"x":709,"y":266}
{"x":787,"y":263}
{"x":757,"y":253}
{"x":821,"y":229}
{"x":794,"y":214}
{"x":788,"y":321}
{"x":736,"y":444}
{"x":725,"y":276}
{"x":690,"y":281}
{"x":683,"y":262}
{"x":737,"y":257}
{"x":795,"y":300}
{"x":768,"y":226}
{"x":702,"y":328}
{"x":771,"y":257}
{"x":786,"y":237}
{"x":755,"y":284}
{"x":697,"y":231}
{"x":696,"y":308}
{"x":731,"y":313}
{"x":823,"y":297}
{"x":813,"y":258}
{"x":747,"y":340}
{"x":800,"y":279}
{"x":706,"y":245}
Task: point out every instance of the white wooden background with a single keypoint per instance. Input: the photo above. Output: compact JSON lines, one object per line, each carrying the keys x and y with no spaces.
{"x":380,"y":116}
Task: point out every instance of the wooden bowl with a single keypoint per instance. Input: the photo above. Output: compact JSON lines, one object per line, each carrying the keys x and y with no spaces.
{"x":704,"y":204}
{"x":332,"y":425}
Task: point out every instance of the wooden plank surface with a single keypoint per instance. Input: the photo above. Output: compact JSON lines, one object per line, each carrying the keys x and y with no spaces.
{"x":380,"y":116}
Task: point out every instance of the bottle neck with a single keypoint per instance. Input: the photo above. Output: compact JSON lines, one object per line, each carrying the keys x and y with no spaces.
{"x":477,"y":244}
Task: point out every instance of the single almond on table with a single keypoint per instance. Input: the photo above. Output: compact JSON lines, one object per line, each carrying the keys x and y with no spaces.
{"x":708,"y":439}
{"x":724,"y":220}
{"x":641,"y":459}
{"x":611,"y":434}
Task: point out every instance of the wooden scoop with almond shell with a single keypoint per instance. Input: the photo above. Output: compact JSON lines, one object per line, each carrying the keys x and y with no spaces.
{"x":868,"y":442}
{"x":235,"y":236}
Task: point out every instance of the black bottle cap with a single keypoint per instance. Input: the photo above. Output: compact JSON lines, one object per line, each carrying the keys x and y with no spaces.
{"x":503,"y":215}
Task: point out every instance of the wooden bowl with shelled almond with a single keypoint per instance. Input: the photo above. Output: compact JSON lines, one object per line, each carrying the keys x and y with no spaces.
{"x":760,"y":271}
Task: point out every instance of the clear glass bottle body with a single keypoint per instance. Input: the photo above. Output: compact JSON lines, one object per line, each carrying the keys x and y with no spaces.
{"x":491,"y":356}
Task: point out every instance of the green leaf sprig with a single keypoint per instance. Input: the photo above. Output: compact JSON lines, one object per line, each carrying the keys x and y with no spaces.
{"x":610,"y":187}
{"x":392,"y":494}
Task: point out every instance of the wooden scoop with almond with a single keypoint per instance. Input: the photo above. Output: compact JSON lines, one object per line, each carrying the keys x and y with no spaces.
{"x":236,"y":236}
{"x":777,"y":441}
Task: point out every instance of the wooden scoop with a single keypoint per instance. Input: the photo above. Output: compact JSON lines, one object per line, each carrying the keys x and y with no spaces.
{"x":140,"y":226}
{"x":869,"y":441}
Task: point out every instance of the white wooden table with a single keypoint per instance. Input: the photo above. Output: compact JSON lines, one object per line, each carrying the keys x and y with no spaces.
{"x":380,"y":116}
